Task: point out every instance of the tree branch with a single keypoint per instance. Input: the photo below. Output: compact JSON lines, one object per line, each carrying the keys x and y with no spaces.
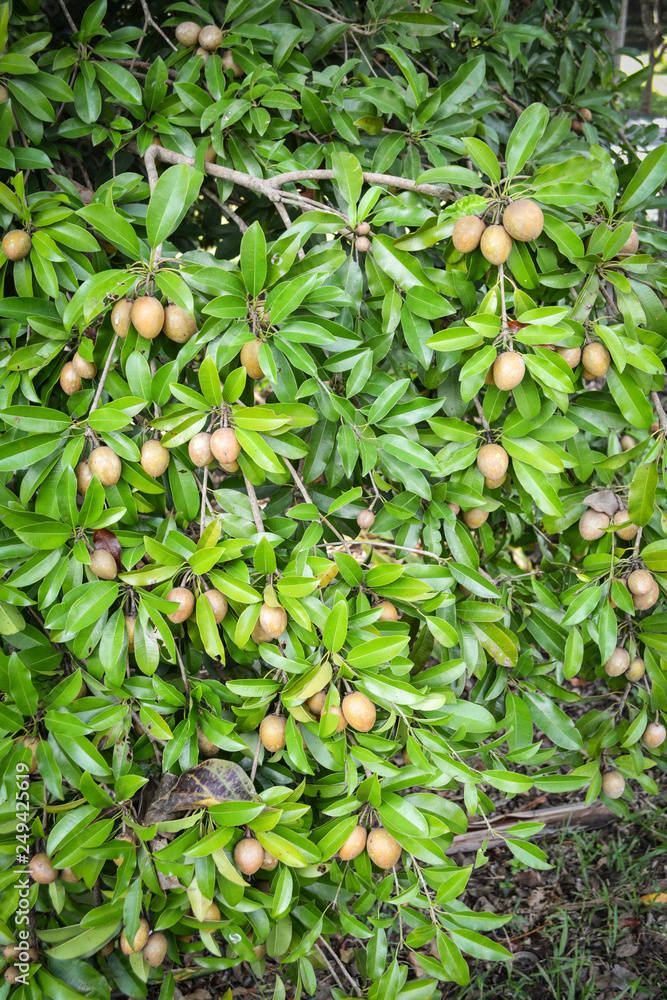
{"x":662,"y":418}
{"x":252,"y":497}
{"x":105,"y":372}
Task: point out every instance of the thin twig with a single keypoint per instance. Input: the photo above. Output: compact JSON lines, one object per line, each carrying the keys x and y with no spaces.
{"x":105,"y":372}
{"x":203,"y":501}
{"x":157,"y":750}
{"x":153,"y":24}
{"x":254,"y":505}
{"x":323,"y":943}
{"x":68,"y":16}
{"x":255,"y":759}
{"x":379,"y":544}
{"x":228,"y":213}
{"x":184,"y":675}
{"x":300,"y":485}
{"x":480,"y":411}
{"x":662,"y":418}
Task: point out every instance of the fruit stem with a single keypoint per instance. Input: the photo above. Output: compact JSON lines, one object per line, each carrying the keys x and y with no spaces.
{"x":480,"y":411}
{"x":105,"y":372}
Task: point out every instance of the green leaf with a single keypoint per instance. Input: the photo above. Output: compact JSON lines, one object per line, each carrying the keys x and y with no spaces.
{"x":649,"y":177}
{"x":334,"y":632}
{"x":174,"y":193}
{"x":525,"y":136}
{"x":253,"y":259}
{"x":348,"y":177}
{"x":642,"y":494}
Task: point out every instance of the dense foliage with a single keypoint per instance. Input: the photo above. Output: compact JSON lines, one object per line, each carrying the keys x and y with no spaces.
{"x":273,"y":445}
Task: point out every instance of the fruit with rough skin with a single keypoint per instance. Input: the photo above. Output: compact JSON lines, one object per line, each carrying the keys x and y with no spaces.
{"x":105,"y":464}
{"x":229,"y":467}
{"x":248,"y":855}
{"x":206,"y":747}
{"x":70,"y":380}
{"x":199,"y":51}
{"x":41,"y":869}
{"x":618,"y":662}
{"x":362,"y":244}
{"x":354,"y":844}
{"x":636,"y":670}
{"x":523,"y":220}
{"x":570,"y":355}
{"x":155,"y":949}
{"x":629,"y":530}
{"x":147,"y":316}
{"x":316,"y":702}
{"x":654,"y":735}
{"x":475,"y":517}
{"x":139,"y":940}
{"x":178,"y":325}
{"x":210,"y":37}
{"x":229,"y":62}
{"x":642,"y":602}
{"x":454,"y":507}
{"x":362,"y":229}
{"x":103,"y":565}
{"x":494,"y":484}
{"x":130,"y":625}
{"x":613,"y":784}
{"x":587,"y":376}
{"x":596,"y":359}
{"x":210,"y":156}
{"x":83,"y":368}
{"x":272,"y":732}
{"x":11,"y":974}
{"x":120,"y":317}
{"x":631,"y":245}
{"x":225,"y":445}
{"x":186,"y":604}
{"x":359,"y":711}
{"x":14,"y":951}
{"x":467,"y":233}
{"x":259,"y":635}
{"x":199,"y":449}
{"x":187,"y":33}
{"x":269,"y":863}
{"x":218,"y":603}
{"x":627,"y":442}
{"x":509,"y":369}
{"x":495,"y":244}
{"x":273,"y":620}
{"x":492,"y":461}
{"x":337,"y":712}
{"x":592,"y":524}
{"x":366,"y":519}
{"x":16,"y":244}
{"x":83,"y":477}
{"x":154,"y":458}
{"x":640,"y":582}
{"x":586,"y":114}
{"x":388,"y":612}
{"x":383,"y":849}
{"x":249,"y":359}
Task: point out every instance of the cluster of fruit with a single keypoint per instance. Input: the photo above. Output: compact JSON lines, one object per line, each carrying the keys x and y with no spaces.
{"x":149,"y":317}
{"x":522,"y":220}
{"x":207,"y":39}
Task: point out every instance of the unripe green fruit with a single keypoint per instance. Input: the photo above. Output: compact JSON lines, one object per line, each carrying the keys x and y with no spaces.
{"x":388,"y":612}
{"x":83,"y":368}
{"x":155,"y":949}
{"x":359,"y":711}
{"x":210,"y":37}
{"x":225,"y":445}
{"x":596,"y":359}
{"x":199,"y":449}
{"x":523,"y":220}
{"x":105,"y":464}
{"x":492,"y":461}
{"x":592,"y":524}
{"x":272,"y":732}
{"x":248,"y":855}
{"x":273,"y":620}
{"x":365,"y":519}
{"x":508,"y":370}
{"x":187,"y":33}
{"x":618,"y":662}
{"x":16,"y":244}
{"x":249,"y":359}
{"x":383,"y":849}
{"x":41,"y":869}
{"x":467,"y":233}
{"x":613,"y":784}
{"x":139,"y":941}
{"x":571,"y":355}
{"x":475,"y":517}
{"x":629,"y":530}
{"x":354,"y":844}
{"x":186,"y":604}
{"x":636,"y":670}
{"x":120,"y":317}
{"x":654,"y":735}
{"x":147,"y":316}
{"x":154,"y":458}
{"x":103,"y":564}
{"x":218,"y":603}
{"x":495,"y":245}
{"x":70,"y":380}
{"x":179,"y":325}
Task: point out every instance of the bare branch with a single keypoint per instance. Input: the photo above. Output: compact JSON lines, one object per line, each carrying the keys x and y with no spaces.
{"x":252,"y":497}
{"x":662,"y":418}
{"x":105,"y":372}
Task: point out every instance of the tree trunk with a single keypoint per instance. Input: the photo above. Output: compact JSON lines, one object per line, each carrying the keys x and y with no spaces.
{"x":616,"y":35}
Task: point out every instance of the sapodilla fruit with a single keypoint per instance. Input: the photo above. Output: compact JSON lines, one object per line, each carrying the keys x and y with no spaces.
{"x":627,"y":442}
{"x":495,"y":244}
{"x":467,"y":233}
{"x":129,"y":839}
{"x":16,"y":244}
{"x":636,"y":670}
{"x":187,"y":33}
{"x":383,"y":849}
{"x":272,"y":732}
{"x":249,"y":359}
{"x":273,"y":620}
{"x":70,"y":380}
{"x":362,"y":244}
{"x":186,"y":604}
{"x":613,"y":784}
{"x":642,"y":602}
{"x":207,"y":747}
{"x":654,"y":735}
{"x":248,"y":855}
{"x":139,"y":941}
{"x":229,"y":467}
{"x":210,"y":155}
{"x":229,"y":62}
{"x":13,"y":951}
{"x":494,"y":484}
{"x":41,"y":869}
{"x":218,"y":603}
{"x":592,"y":524}
{"x":631,"y":245}
{"x":31,"y":743}
{"x":523,"y":220}
{"x":388,"y":612}
{"x":618,"y":662}
{"x":210,"y":37}
{"x":67,"y":875}
{"x":492,"y":461}
{"x":316,"y":702}
{"x":11,"y":974}
{"x":359,"y":711}
{"x":213,"y":912}
{"x":362,"y":228}
{"x":155,"y":949}
{"x":570,"y":355}
{"x":259,"y":635}
{"x":337,"y":711}
{"x":269,"y":863}
{"x":83,"y":368}
{"x":147,"y":316}
{"x":83,"y":477}
{"x":366,"y":519}
{"x":509,"y":369}
{"x":225,"y":445}
{"x":103,"y":564}
{"x":629,"y":530}
{"x":154,"y":458}
{"x":130,"y":625}
{"x":475,"y":517}
{"x":120,"y":317}
{"x":596,"y":359}
{"x":105,"y":464}
{"x":4,"y":93}
{"x":178,"y":325}
{"x":199,"y":449}
{"x":354,"y":844}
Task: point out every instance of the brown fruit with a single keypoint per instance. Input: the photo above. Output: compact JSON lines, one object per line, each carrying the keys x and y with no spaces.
{"x":586,"y":114}
{"x":366,"y":519}
{"x":354,"y":844}
{"x":618,"y":662}
{"x":107,"y":949}
{"x":654,"y":735}
{"x":642,"y":602}
{"x":31,"y":743}
{"x":467,"y":233}
{"x":4,"y":93}
{"x":210,"y":37}
{"x":83,"y":477}
{"x":213,"y":912}
{"x":362,"y":244}
{"x":11,"y":974}
{"x":523,"y":220}
{"x":130,"y":624}
{"x":179,"y":325}
{"x":636,"y":670}
{"x":359,"y":711}
{"x":627,"y":442}
{"x":16,"y":244}
{"x":272,"y":732}
{"x":129,"y":839}
{"x":508,"y":370}
{"x":337,"y":711}
{"x":14,"y":952}
{"x":228,"y":62}
{"x":187,"y":33}
{"x":613,"y":784}
{"x":362,"y":229}
{"x":186,"y":604}
{"x":105,"y":464}
{"x":596,"y":359}
{"x":273,"y":620}
{"x":103,"y":564}
{"x":139,"y":941}
{"x":41,"y":869}
{"x":199,"y":51}
{"x":120,"y":317}
{"x":454,"y":507}
{"x":475,"y":517}
{"x":571,"y":355}
{"x":259,"y":635}
{"x":155,"y":950}
{"x":495,"y":245}
{"x":210,"y":155}
{"x":383,"y":850}
{"x":629,"y":530}
{"x":67,"y":875}
{"x":229,"y":467}
{"x":631,"y":245}
{"x":225,"y":445}
{"x":199,"y":449}
{"x":592,"y":524}
{"x":249,"y":360}
{"x":269,"y":862}
{"x":206,"y":746}
{"x":248,"y":855}
{"x":83,"y":368}
{"x":494,"y":484}
{"x":147,"y":316}
{"x":388,"y":612}
{"x":218,"y":603}
{"x":587,"y":376}
{"x":154,"y":458}
{"x":492,"y":461}
{"x":70,"y":380}
{"x":316,"y":702}
{"x":640,"y":582}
